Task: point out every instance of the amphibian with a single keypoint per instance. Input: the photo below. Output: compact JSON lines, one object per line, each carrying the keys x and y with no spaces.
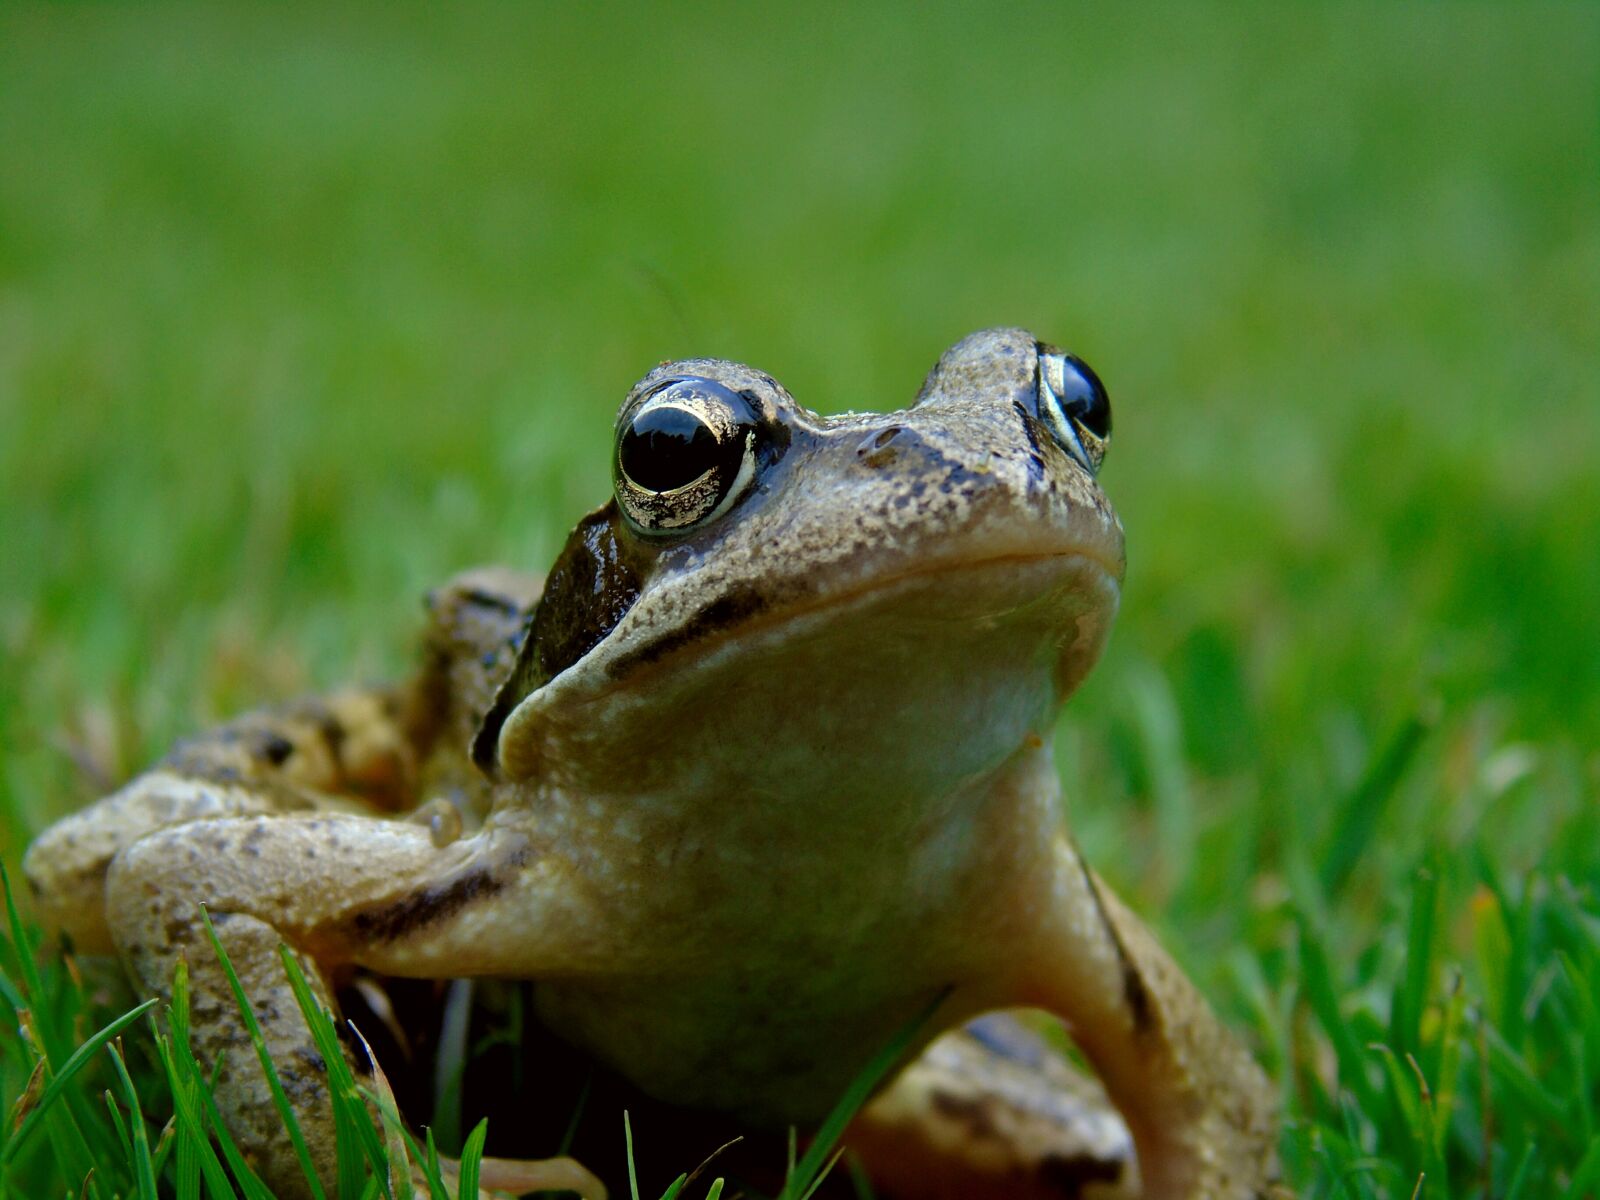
{"x":761,"y":772}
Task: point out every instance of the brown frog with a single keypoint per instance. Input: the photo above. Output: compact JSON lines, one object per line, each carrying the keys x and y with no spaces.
{"x":762,"y":772}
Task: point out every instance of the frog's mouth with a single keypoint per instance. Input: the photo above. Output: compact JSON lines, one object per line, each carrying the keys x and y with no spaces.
{"x":748,"y":610}
{"x":943,"y":636}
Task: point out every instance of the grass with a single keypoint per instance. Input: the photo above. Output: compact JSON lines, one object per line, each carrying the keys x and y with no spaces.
{"x":302,"y":310}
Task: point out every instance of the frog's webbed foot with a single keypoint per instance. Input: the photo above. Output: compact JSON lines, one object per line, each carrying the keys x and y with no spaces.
{"x":1202,"y":1113}
{"x":993,"y":1112}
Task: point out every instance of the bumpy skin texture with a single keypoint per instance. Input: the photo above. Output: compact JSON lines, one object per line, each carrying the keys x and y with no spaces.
{"x":746,"y":798}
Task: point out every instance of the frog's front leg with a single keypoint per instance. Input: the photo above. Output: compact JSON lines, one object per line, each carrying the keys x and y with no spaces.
{"x":340,"y":891}
{"x":1202,"y":1113}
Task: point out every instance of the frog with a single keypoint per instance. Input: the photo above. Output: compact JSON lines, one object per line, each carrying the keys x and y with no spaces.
{"x":756,"y":779}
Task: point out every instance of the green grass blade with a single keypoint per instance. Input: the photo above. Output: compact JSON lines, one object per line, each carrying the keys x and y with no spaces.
{"x":1316,"y":981}
{"x":200,"y":1095}
{"x":162,"y":1151}
{"x":1411,"y":997}
{"x":355,"y":1148}
{"x":184,"y":1082}
{"x":1407,"y":1104}
{"x":1452,"y":1043}
{"x":402,"y":1148}
{"x":823,"y":1174}
{"x":194,"y":1140}
{"x":627,"y":1137}
{"x":471,"y":1160}
{"x":32,"y":984}
{"x":114,"y":1115}
{"x":66,"y":1126}
{"x":1361,"y":812}
{"x":450,"y":1063}
{"x":10,"y":992}
{"x":1160,"y":729}
{"x":1519,"y":1180}
{"x":1587,"y":1175}
{"x":819,"y":1156}
{"x":144,"y":1168}
{"x":58,"y":1082}
{"x":377,"y":1146}
{"x":186,"y":1165}
{"x":253,"y":1027}
{"x":1519,"y":1078}
{"x":573,"y":1121}
{"x":432,"y":1171}
{"x":859,"y":1180}
{"x":249,"y":1181}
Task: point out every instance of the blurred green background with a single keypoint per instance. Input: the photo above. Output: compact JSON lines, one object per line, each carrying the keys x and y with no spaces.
{"x":302,"y":310}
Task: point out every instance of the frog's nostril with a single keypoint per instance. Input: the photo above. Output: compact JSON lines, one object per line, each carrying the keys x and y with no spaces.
{"x":885,"y":436}
{"x":877,"y":450}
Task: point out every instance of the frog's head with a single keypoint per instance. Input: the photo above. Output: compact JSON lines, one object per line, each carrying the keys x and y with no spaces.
{"x":776,"y":600}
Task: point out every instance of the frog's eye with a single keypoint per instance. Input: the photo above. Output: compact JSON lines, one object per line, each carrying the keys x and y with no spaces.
{"x":1074,"y":404}
{"x":685,"y":452}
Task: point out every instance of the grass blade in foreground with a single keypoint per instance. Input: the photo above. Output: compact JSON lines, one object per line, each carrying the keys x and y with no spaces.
{"x":819,"y":1157}
{"x":253,"y":1027}
{"x":471,"y":1156}
{"x":185,"y":1064}
{"x":194,"y":1144}
{"x":52,"y":1090}
{"x":144,"y":1169}
{"x":67,"y":1126}
{"x":358,"y":1144}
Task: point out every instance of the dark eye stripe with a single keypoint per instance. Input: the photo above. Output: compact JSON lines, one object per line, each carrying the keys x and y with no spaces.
{"x":590,"y":588}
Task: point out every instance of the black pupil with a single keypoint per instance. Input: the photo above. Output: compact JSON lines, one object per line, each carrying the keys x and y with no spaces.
{"x":1084,"y":397}
{"x":666,"y":448}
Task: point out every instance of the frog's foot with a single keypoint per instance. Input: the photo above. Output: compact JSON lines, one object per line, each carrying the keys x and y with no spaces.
{"x":992,"y":1112}
{"x":338,"y":890}
{"x":499,"y":1177}
{"x":520,"y":1176}
{"x":1202,"y":1113}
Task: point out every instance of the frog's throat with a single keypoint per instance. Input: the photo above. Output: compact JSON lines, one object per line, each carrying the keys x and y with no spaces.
{"x":909,"y":640}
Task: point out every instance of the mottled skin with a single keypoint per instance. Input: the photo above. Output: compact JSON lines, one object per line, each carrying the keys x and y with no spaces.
{"x":746,"y":799}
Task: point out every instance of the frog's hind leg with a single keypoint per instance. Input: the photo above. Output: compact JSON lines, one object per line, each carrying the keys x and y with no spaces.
{"x":351,"y":751}
{"x":356,"y":750}
{"x":993,"y":1112}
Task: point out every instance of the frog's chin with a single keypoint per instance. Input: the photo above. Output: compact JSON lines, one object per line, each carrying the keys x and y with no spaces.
{"x":939,"y":672}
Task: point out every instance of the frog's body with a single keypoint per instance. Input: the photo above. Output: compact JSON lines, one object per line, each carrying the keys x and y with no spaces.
{"x":766,"y":776}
